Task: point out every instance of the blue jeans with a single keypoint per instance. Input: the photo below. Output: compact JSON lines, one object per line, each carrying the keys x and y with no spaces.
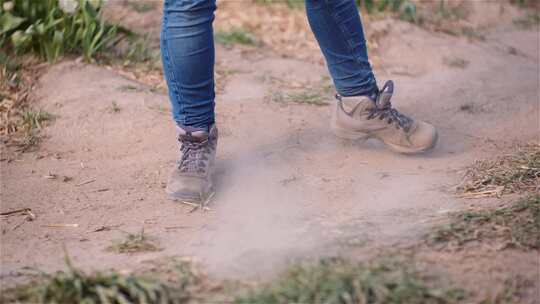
{"x":187,"y":50}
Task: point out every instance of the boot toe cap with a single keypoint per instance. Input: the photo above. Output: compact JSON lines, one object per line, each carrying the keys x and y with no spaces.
{"x":189,"y":188}
{"x":424,"y":137}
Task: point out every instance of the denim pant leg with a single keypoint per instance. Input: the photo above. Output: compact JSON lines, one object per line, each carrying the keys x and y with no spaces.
{"x":338,"y":29}
{"x":188,"y":55}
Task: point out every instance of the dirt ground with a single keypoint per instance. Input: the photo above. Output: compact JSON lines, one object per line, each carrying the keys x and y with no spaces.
{"x":286,"y":187}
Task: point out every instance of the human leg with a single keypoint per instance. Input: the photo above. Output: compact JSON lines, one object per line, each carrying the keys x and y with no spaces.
{"x":362,"y":110}
{"x":187,"y":50}
{"x":338,"y":29}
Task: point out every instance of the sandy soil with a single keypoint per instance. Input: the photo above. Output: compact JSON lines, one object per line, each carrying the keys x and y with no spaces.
{"x":286,"y":187}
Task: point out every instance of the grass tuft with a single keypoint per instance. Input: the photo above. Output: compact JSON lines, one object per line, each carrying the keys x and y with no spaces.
{"x":305,"y":97}
{"x":513,"y":291}
{"x":142,"y":6}
{"x":294,"y":4}
{"x":517,"y":225}
{"x":33,"y":119}
{"x":512,"y":173}
{"x":338,"y":281}
{"x":74,"y":286}
{"x":236,"y":36}
{"x":29,"y":142}
{"x":129,"y":88}
{"x":134,"y":243}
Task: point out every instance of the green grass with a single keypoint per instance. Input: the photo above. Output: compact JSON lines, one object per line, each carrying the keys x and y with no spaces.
{"x":331,"y":280}
{"x":50,"y":29}
{"x":294,"y":4}
{"x":75,"y":286}
{"x":29,"y":142}
{"x":34,"y":119}
{"x":517,"y":225}
{"x":142,"y":6}
{"x":23,"y":123}
{"x":405,"y":9}
{"x":134,"y":243}
{"x":129,"y":88}
{"x":10,"y":70}
{"x":338,"y":281}
{"x":236,"y":36}
{"x":140,"y":49}
{"x":307,"y":98}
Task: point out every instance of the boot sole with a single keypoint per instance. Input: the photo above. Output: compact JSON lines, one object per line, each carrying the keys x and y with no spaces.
{"x":355,"y":135}
{"x":405,"y":150}
{"x":190,"y":197}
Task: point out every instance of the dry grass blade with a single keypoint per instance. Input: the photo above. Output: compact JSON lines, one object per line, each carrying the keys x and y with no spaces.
{"x":85,"y":182}
{"x":203,"y":205}
{"x":62,"y":225}
{"x":517,"y":225}
{"x":19,"y":124}
{"x":512,"y":173}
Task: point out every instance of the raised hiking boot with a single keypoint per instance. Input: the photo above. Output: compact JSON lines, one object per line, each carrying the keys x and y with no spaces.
{"x":191,"y":179}
{"x":361,"y":117}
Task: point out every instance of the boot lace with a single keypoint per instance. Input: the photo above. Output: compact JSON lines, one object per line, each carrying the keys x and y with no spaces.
{"x":392,"y":116}
{"x":386,"y":111}
{"x":194,"y":156}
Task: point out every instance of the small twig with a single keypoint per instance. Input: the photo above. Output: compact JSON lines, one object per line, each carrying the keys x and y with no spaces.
{"x":176,"y":227}
{"x":105,"y":228}
{"x":190,"y":204}
{"x":207,"y":201}
{"x":86,"y":182}
{"x":15,"y":211}
{"x":61,"y":225}
{"x":28,"y":218}
{"x":50,"y":176}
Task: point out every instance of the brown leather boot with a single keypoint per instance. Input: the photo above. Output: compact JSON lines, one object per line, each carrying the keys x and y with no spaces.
{"x":191,"y":179}
{"x":361,"y":117}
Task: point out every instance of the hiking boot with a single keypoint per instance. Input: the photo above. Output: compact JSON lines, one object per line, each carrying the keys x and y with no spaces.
{"x":363,"y":117}
{"x":191,"y":179}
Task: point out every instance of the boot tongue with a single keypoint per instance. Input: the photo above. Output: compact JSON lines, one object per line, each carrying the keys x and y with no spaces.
{"x":383,"y":100}
{"x":384,"y":96}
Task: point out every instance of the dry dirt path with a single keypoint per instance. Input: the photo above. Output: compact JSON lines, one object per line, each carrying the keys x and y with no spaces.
{"x":286,"y":188}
